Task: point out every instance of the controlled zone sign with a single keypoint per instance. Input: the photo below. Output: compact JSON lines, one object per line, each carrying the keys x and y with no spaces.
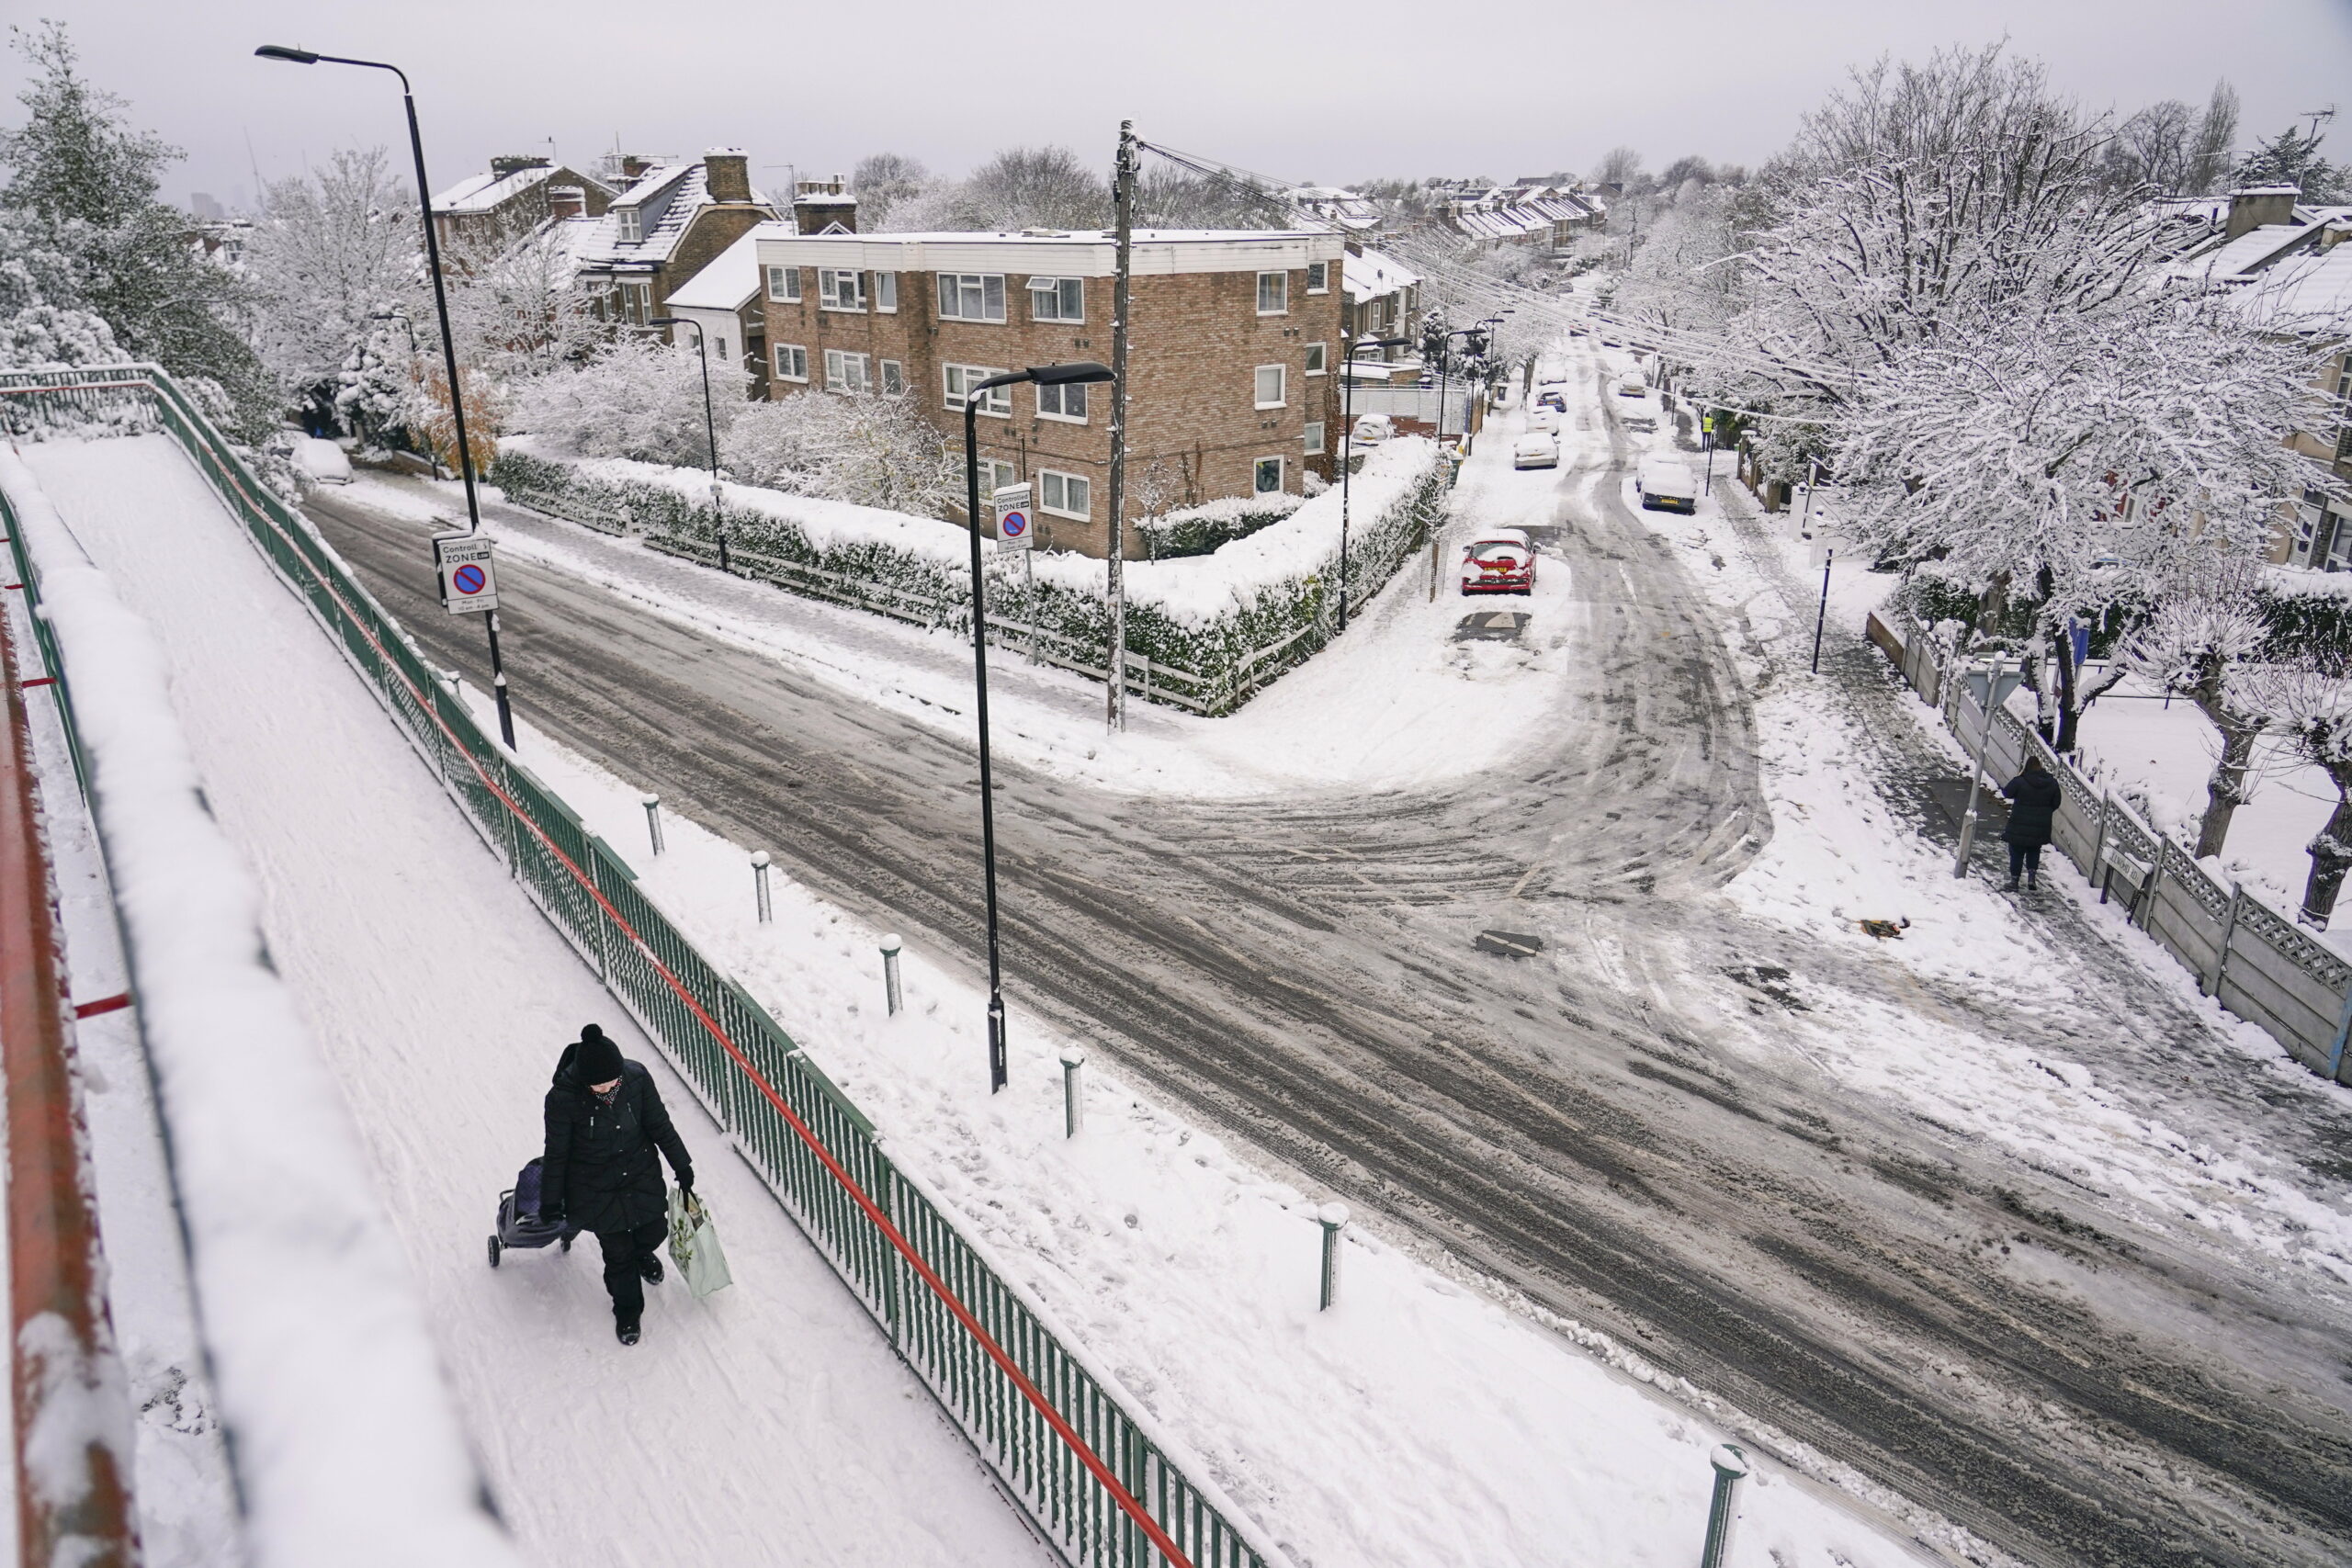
{"x":1015,"y":527}
{"x":469,"y":577}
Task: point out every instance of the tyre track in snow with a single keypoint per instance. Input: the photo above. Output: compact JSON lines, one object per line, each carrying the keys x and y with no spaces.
{"x":1295,"y":971}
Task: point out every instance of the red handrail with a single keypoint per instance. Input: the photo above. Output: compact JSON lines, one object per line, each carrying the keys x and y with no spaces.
{"x":1062,"y":1428}
{"x":56,"y":1307}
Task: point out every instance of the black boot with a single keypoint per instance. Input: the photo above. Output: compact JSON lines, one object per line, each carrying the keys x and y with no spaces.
{"x":625,"y":1331}
{"x":2010,"y":885}
{"x":651,"y":1267}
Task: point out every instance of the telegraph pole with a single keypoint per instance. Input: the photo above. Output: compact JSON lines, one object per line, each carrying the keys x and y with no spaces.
{"x":1124,"y":216}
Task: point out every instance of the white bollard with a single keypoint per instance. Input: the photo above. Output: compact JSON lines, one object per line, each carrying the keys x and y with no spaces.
{"x":759,"y":885}
{"x":890,"y":974}
{"x":1073,"y":1093}
{"x":1731,"y":1466}
{"x":1333,"y":1218}
{"x":652,"y":804}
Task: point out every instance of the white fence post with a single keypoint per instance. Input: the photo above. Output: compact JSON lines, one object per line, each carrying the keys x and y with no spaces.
{"x":891,"y":992}
{"x":652,"y":804}
{"x":1073,"y":1093}
{"x":760,"y":886}
{"x":1333,"y":1218}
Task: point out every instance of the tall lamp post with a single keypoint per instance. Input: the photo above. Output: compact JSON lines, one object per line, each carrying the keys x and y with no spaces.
{"x":1444,"y":367}
{"x":448,"y":343}
{"x":710,"y":426}
{"x":1083,"y":372}
{"x":1347,"y":450}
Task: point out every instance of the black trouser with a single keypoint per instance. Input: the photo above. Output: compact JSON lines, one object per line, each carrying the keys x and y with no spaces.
{"x":624,"y":1254}
{"x":2024,"y":857}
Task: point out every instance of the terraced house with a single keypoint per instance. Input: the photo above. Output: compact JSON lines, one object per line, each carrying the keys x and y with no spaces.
{"x":1234,"y":340}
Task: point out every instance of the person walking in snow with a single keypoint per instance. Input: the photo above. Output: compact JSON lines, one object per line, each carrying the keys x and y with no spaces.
{"x":2034,"y":797}
{"x":605,"y":1121}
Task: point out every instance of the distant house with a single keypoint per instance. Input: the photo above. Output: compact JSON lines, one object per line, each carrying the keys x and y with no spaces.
{"x":1384,"y":299}
{"x":1532,"y":215}
{"x":516,"y":198}
{"x":723,"y":299}
{"x":2291,"y":261}
{"x":670,"y":221}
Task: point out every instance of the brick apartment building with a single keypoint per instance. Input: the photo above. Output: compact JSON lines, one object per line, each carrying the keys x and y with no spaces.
{"x":1231,"y":357}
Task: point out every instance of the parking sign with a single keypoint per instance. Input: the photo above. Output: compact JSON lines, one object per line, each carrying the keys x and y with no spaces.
{"x":1016,"y":529}
{"x":468,"y":577}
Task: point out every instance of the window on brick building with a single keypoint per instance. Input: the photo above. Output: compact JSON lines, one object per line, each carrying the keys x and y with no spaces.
{"x":1274,"y":293}
{"x":635,"y":302}
{"x":1318,"y":278}
{"x":846,"y":372}
{"x":1268,"y":479}
{"x":1271,"y":385}
{"x":1063,"y":403}
{"x":1314,"y":437}
{"x":1318,"y":355}
{"x":1065,"y":495}
{"x":893,"y":378}
{"x":1057,"y":299}
{"x":784,"y":285}
{"x":971,"y":295}
{"x":791,"y":362}
{"x":996,"y":400}
{"x":841,"y":288}
{"x":886,"y":291}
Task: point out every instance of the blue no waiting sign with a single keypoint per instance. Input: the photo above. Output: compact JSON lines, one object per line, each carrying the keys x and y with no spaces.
{"x":1013,"y":530}
{"x":469,"y":577}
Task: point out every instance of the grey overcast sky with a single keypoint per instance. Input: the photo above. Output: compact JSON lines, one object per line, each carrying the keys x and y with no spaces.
{"x":1329,"y":92}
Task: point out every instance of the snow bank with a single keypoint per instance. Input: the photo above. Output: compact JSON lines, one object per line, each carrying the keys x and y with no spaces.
{"x":349,"y":1448}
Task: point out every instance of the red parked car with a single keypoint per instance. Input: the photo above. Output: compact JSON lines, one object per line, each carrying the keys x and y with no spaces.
{"x":1500,"y":561}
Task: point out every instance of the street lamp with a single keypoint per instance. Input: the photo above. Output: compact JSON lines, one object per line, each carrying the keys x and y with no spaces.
{"x":1347,"y":450}
{"x":710,"y":425}
{"x":448,"y":343}
{"x":1043,"y":376}
{"x":1444,"y":366}
{"x":397,"y":314}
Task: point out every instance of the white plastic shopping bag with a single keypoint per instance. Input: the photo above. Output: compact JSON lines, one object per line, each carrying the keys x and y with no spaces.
{"x":693,"y":1245}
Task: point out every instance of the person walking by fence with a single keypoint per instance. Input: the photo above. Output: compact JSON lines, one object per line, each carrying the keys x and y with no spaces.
{"x":605,"y":1121}
{"x":2034,"y":798}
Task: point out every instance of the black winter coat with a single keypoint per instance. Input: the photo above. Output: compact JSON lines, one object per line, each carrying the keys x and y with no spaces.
{"x":2034,"y":797}
{"x":599,"y":1160}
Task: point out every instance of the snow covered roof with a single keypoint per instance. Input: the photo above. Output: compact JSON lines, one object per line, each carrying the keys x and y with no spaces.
{"x":1085,"y":253}
{"x":1510,"y":223}
{"x":731,"y":277}
{"x":2263,"y":246}
{"x":666,"y":198}
{"x":487,"y":192}
{"x":2311,"y":292}
{"x":1372,"y":276}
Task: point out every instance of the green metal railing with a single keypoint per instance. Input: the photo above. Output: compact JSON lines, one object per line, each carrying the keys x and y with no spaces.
{"x":1100,"y":1486}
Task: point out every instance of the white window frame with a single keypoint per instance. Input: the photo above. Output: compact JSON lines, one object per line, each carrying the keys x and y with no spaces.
{"x":885,"y":293}
{"x":952,"y":285}
{"x":1062,"y":394}
{"x":1281,"y":475}
{"x":1066,"y":298}
{"x":630,"y":220}
{"x":790,"y":277}
{"x":894,"y":377}
{"x":832,"y":294}
{"x":1053,"y":481}
{"x":1313,"y":441}
{"x":1278,"y":284}
{"x":997,"y":404}
{"x":1321,"y":270}
{"x":718,"y":346}
{"x":848,"y":371}
{"x":1318,"y":358}
{"x":1282,"y":387}
{"x":637,"y":301}
{"x":798,"y":355}
{"x":996,"y":474}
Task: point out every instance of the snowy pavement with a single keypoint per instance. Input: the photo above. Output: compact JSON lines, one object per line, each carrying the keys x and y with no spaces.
{"x":769,"y":1422}
{"x":1861,"y":1195}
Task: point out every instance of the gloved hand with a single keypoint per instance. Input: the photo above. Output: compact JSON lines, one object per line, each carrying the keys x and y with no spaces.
{"x":686,"y":1179}
{"x":551,"y":1213}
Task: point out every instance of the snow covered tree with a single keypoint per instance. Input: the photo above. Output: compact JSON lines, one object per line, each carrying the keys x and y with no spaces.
{"x":2293,"y":158}
{"x":1621,"y":166}
{"x":2200,"y":644}
{"x":82,"y":190}
{"x":2311,"y":702}
{"x":1024,"y":188}
{"x":882,"y":180}
{"x":640,"y":398}
{"x":858,"y":447}
{"x":335,"y":250}
{"x":2217,"y":132}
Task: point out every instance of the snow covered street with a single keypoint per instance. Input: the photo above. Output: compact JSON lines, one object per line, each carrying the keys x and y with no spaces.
{"x":767,"y":1423}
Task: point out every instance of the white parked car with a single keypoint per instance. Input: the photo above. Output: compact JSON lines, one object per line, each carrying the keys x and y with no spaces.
{"x":1540,"y":418}
{"x":1373,"y":429}
{"x":1665,"y":485}
{"x":1536,"y":449}
{"x":321,"y":461}
{"x":1632,"y":385}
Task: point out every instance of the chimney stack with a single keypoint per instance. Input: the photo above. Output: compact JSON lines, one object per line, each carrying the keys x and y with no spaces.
{"x":566,"y":201}
{"x":2254,"y":206}
{"x":820,"y":205}
{"x":727,"y":175}
{"x":513,"y":164}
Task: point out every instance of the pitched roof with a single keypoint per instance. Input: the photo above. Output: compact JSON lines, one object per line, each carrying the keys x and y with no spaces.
{"x":1372,"y":275}
{"x":485,"y":192}
{"x":666,"y":196}
{"x":733,"y":276}
{"x":2308,"y":292}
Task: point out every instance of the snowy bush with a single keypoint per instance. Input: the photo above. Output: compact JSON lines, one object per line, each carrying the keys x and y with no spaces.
{"x":640,"y":398}
{"x":864,"y":449}
{"x":1228,"y":623}
{"x":1201,"y":530}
